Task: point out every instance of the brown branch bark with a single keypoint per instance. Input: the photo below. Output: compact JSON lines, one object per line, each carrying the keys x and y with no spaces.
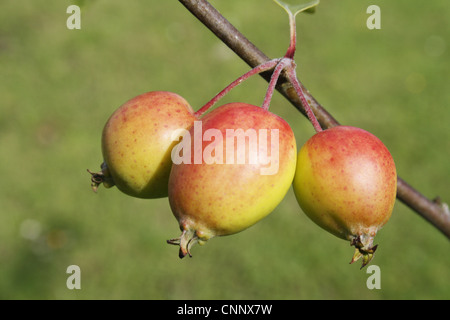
{"x":431,"y":210}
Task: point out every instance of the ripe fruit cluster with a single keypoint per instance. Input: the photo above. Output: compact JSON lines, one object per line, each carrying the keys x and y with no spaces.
{"x":225,"y":170}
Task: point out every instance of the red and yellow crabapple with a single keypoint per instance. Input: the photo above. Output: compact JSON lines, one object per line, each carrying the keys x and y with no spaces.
{"x":237,"y":173}
{"x":137,"y":143}
{"x":346,"y":182}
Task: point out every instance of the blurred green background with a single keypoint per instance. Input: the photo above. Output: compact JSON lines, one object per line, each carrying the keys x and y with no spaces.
{"x":59,"y":86}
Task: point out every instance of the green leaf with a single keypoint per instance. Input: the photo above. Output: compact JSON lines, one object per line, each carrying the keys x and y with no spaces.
{"x":293,"y":7}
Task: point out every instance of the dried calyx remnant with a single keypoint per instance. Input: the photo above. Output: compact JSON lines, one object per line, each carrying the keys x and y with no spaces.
{"x":97,"y":178}
{"x":364,"y":251}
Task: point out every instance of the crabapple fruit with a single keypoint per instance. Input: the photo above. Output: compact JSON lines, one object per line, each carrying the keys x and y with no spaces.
{"x":248,"y":159}
{"x":137,"y":143}
{"x":346,"y":182}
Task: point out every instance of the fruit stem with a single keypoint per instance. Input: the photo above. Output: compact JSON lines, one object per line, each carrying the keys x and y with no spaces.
{"x":296,"y":84}
{"x":258,"y":69}
{"x":273,"y":81}
{"x":293,"y":36}
{"x":287,"y":63}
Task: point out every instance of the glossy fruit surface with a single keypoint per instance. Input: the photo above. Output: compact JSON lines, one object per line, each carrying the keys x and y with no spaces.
{"x":218,"y":197}
{"x":346,"y":182}
{"x":137,"y":142}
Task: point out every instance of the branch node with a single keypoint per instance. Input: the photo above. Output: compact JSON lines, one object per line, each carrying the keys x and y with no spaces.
{"x":443,"y":205}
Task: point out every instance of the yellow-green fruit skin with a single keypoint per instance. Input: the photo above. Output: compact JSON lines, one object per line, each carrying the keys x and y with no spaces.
{"x":346,"y":182}
{"x":137,"y":142}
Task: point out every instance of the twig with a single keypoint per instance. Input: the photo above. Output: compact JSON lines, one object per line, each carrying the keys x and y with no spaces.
{"x":432,"y":211}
